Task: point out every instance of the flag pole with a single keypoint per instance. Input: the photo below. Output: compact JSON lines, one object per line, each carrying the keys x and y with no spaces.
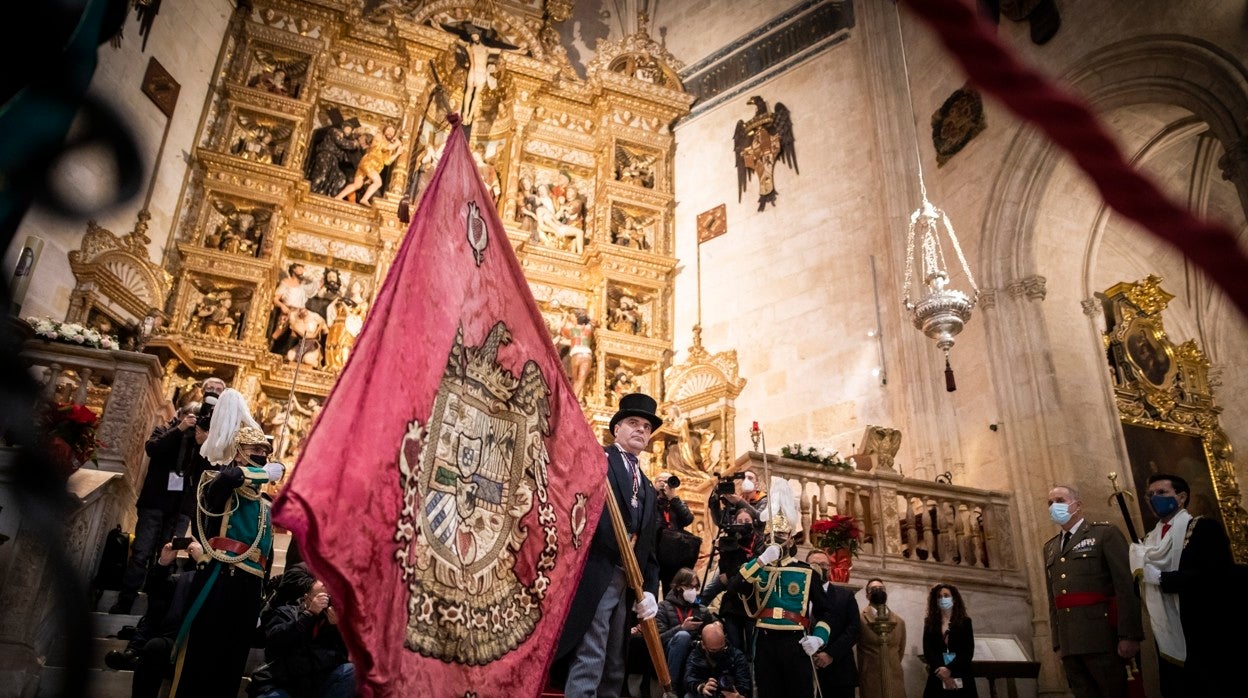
{"x":632,"y":574}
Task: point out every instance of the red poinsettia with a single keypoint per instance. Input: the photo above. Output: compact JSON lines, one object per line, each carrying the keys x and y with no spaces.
{"x":838,"y":531}
{"x":75,"y":425}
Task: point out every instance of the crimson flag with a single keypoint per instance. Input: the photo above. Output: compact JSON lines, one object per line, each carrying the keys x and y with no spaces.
{"x":449,"y":490}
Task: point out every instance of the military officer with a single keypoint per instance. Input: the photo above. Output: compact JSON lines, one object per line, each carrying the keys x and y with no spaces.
{"x":792,"y":621}
{"x":236,"y":532}
{"x":1094,"y":615}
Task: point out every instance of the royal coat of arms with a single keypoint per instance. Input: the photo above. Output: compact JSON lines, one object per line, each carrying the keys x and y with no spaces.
{"x":470,"y":477}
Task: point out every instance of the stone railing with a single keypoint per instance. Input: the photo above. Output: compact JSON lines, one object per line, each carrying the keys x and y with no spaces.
{"x":124,"y":387}
{"x":905,"y":520}
{"x":28,"y":587}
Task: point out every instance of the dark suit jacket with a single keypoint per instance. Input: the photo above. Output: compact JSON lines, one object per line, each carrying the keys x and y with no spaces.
{"x":843,"y":618}
{"x":962,"y":644}
{"x":604,"y":554}
{"x":1209,"y":602}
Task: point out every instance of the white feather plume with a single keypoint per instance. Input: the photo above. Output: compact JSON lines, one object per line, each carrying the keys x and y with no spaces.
{"x":230,"y":415}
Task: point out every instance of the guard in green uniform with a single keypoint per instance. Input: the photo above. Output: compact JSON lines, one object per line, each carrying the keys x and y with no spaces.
{"x":236,"y":532}
{"x":786,"y":598}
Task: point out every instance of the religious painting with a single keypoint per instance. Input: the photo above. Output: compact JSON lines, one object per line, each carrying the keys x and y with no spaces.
{"x":636,"y":166}
{"x":761,"y":142}
{"x":1151,"y":451}
{"x":259,"y":138}
{"x":318,"y":310}
{"x":216,"y":307}
{"x":956,"y":122}
{"x":552,"y":206}
{"x":1148,"y":355}
{"x":630,"y":309}
{"x":635,"y":227}
{"x":276,"y":71}
{"x":237,"y":226}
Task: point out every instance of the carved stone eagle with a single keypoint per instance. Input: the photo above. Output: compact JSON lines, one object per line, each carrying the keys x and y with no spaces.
{"x":766,"y":138}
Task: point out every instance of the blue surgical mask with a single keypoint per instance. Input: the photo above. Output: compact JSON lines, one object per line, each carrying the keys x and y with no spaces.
{"x":945,"y":603}
{"x":1059,"y":512}
{"x":1164,"y":504}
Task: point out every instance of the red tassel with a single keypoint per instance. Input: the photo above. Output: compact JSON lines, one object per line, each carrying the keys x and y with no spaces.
{"x":950,"y":384}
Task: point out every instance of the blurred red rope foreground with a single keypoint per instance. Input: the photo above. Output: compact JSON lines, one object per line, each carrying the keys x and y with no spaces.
{"x":1070,"y":123}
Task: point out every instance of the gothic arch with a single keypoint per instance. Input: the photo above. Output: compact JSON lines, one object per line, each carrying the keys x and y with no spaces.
{"x":1157,"y":69}
{"x":1168,"y":69}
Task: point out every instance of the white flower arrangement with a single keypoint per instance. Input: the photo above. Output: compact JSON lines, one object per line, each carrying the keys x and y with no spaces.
{"x":71,"y":333}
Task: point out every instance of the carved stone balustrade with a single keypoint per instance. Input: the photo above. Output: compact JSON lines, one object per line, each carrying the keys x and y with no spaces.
{"x":934,"y":530}
{"x":123,"y":386}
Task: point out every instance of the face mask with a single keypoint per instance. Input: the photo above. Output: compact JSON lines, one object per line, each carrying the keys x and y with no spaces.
{"x":878,"y":596}
{"x":747,"y":486}
{"x":945,"y":603}
{"x":1164,"y":504}
{"x":258,"y":459}
{"x":1059,"y":512}
{"x":690,"y":595}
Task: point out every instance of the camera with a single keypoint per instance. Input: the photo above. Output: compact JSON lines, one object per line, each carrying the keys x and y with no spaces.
{"x":181,"y":543}
{"x":727,"y":483}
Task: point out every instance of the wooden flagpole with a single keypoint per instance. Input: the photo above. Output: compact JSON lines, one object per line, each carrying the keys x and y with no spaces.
{"x":632,"y":574}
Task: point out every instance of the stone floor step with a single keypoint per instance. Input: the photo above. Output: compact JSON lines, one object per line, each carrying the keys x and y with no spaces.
{"x":107,"y":624}
{"x":59,"y":653}
{"x":109,"y":597}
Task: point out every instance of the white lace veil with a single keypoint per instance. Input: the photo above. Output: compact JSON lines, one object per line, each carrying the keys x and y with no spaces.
{"x":230,"y":414}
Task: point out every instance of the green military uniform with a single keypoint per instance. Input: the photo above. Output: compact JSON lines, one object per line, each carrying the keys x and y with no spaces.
{"x":234,"y":527}
{"x":243,"y":538}
{"x":1092,"y":605}
{"x":790,"y":604}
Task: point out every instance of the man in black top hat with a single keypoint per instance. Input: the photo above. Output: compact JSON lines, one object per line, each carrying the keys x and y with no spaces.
{"x":594,"y":632}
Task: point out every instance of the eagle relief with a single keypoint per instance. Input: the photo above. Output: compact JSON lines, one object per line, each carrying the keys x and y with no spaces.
{"x":475,"y":578}
{"x":759,"y":143}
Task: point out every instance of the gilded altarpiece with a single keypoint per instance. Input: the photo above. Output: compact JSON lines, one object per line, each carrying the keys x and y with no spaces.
{"x":276,"y":263}
{"x":1166,"y":404}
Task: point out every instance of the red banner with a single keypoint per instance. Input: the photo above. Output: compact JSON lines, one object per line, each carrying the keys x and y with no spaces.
{"x":449,"y":490}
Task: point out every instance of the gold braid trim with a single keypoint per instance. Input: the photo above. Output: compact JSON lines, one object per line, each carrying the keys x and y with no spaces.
{"x":261,"y":521}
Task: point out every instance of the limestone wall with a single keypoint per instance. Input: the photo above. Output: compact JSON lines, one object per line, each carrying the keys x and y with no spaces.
{"x":185,"y":38}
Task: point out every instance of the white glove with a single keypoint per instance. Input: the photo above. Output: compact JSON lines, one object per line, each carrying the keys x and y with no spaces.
{"x":770,"y":555}
{"x":646,"y":607}
{"x":810,"y":644}
{"x":275,"y":471}
{"x":1152,"y":573}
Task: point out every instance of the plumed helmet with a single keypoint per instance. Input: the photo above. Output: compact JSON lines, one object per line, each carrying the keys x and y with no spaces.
{"x":250,"y":436}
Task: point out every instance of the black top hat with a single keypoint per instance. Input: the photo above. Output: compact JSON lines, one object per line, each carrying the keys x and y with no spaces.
{"x":639,"y":405}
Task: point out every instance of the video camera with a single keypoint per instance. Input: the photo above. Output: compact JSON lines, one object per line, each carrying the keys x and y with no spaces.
{"x":727,"y":483}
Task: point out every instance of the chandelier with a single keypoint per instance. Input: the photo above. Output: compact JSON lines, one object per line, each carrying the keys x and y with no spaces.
{"x":939,"y":311}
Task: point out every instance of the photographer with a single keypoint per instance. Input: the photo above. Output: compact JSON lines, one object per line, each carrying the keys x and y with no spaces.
{"x":675,"y":547}
{"x":304,"y":652}
{"x":172,"y":450}
{"x":716,"y":668}
{"x":738,"y":542}
{"x":726,"y":496}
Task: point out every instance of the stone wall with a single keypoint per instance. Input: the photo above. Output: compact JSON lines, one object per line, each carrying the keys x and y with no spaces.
{"x":185,"y":38}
